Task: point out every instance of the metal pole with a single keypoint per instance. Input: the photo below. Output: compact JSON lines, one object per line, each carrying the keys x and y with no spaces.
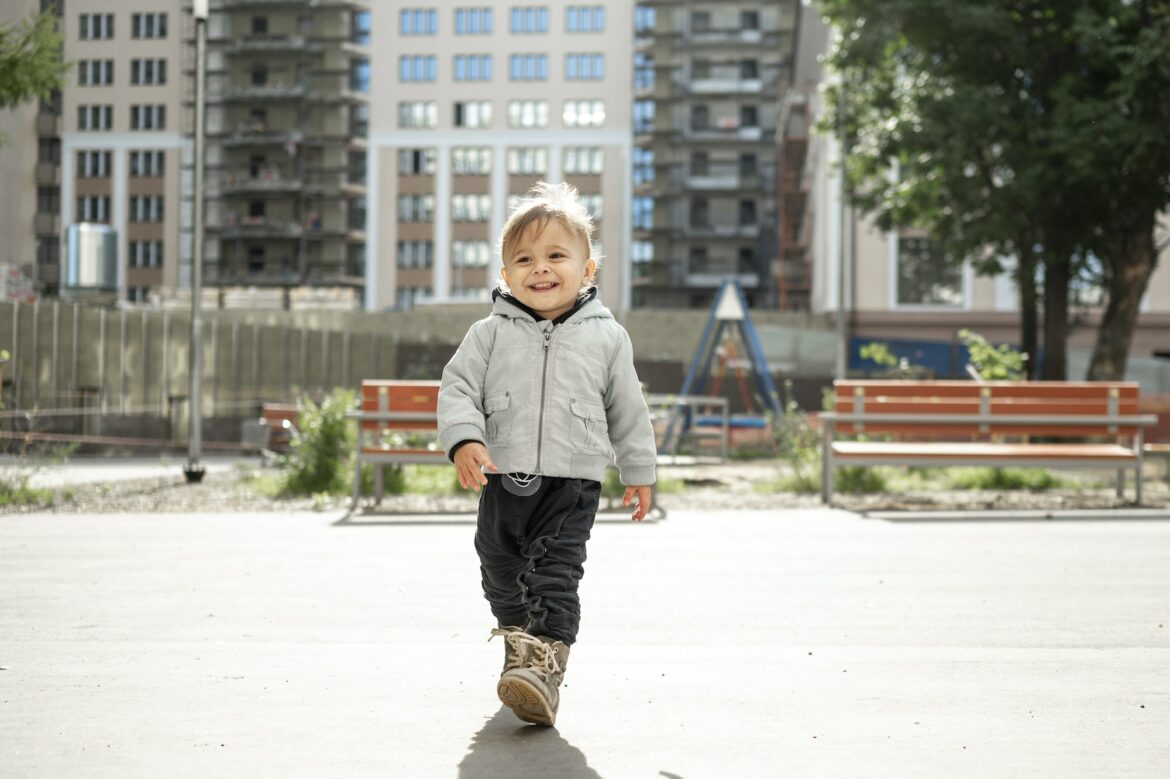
{"x":194,"y":470}
{"x":842,"y":214}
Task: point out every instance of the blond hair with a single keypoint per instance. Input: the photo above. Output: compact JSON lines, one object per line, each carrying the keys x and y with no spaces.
{"x":545,"y":202}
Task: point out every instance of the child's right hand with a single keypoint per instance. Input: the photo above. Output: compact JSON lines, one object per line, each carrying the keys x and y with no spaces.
{"x":468,"y":461}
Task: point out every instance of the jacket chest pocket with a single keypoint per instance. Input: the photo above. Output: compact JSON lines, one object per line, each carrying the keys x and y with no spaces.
{"x":497,"y":416}
{"x":590,"y":429}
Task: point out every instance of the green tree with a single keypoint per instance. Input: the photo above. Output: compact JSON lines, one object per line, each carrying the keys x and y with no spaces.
{"x":30,"y":59}
{"x":1014,"y":128}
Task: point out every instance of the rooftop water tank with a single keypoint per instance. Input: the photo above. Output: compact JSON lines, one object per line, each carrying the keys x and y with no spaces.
{"x":91,"y":261}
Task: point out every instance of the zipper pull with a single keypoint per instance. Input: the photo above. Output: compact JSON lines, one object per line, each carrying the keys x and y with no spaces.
{"x":547,"y":337}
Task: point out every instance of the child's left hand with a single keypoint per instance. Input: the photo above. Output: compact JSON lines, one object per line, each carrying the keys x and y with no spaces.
{"x":642,"y":494}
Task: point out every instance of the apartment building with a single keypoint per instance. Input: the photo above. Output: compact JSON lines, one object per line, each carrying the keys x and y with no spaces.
{"x":709,"y":76}
{"x":287,"y":116}
{"x":474,"y":103}
{"x":121,"y":137}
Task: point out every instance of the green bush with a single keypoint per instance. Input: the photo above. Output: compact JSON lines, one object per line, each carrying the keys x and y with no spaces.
{"x":1002,"y":479}
{"x":856,"y":479}
{"x":321,"y":458}
{"x":993,"y":363}
{"x":16,"y":492}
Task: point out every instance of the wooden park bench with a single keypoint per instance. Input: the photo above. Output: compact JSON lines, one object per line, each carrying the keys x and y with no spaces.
{"x":951,"y":423}
{"x":279,"y":422}
{"x":393,"y":418}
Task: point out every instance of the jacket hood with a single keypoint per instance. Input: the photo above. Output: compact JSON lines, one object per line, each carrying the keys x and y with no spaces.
{"x":506,"y":306}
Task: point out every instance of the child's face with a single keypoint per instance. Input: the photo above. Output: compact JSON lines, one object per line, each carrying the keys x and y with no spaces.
{"x":546,"y":267}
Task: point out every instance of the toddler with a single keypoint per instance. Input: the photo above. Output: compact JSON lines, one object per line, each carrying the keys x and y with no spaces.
{"x":530,"y":406}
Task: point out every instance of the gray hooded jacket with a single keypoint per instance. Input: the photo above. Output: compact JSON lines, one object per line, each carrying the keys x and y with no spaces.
{"x":549,"y":399}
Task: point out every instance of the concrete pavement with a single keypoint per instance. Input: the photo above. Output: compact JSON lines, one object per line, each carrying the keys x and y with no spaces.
{"x":722,"y":644}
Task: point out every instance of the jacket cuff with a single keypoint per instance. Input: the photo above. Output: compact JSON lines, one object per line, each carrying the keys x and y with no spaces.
{"x":457,"y":434}
{"x":637,"y":475}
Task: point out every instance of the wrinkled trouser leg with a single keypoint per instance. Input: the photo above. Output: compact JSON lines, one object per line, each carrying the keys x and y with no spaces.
{"x":532,"y":553}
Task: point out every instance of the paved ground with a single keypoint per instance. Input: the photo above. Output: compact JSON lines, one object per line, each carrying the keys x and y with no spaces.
{"x":806,"y":643}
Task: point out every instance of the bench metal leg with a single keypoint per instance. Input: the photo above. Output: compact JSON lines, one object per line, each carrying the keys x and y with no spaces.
{"x":826,"y":478}
{"x":1121,"y":482}
{"x":1137,"y":481}
{"x":357,"y":483}
{"x":379,"y":472}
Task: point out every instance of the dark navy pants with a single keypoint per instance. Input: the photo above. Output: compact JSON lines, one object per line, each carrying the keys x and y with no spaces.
{"x":532,"y":553}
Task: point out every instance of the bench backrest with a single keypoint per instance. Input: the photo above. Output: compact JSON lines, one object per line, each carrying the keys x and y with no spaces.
{"x":1065,"y":399}
{"x":407,"y":397}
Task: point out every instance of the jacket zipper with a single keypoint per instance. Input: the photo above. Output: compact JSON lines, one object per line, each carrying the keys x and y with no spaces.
{"x":543,"y":379}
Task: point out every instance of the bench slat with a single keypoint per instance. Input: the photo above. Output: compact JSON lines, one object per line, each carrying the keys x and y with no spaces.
{"x":990,"y":451}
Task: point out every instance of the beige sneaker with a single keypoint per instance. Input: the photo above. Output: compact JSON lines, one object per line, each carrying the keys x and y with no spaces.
{"x":531,"y":690}
{"x":516,"y":650}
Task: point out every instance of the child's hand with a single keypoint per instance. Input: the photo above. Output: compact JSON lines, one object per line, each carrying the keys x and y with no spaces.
{"x":468,"y":460}
{"x":642,"y":494}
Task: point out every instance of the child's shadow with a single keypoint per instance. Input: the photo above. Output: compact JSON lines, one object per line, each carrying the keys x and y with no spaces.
{"x":505,"y":746}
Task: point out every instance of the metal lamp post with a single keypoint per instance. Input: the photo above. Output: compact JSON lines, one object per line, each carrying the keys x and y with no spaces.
{"x":194,"y":469}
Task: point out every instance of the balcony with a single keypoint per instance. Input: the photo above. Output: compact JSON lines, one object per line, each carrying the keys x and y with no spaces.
{"x":273,"y":43}
{"x":722,"y":36}
{"x":47,"y":224}
{"x":265,"y":180}
{"x":727,"y":130}
{"x":706,"y":231}
{"x":48,"y":124}
{"x":261,"y":92}
{"x":48,"y":174}
{"x":259,"y":227}
{"x":748,"y":280}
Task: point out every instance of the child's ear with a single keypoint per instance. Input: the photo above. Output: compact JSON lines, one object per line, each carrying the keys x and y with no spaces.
{"x":590,"y":271}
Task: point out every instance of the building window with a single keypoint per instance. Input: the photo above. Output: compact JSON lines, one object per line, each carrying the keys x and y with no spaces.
{"x":584,"y":67}
{"x":147,"y":163}
{"x":643,"y":72}
{"x":529,"y":19}
{"x":471,"y":208}
{"x":359,"y":120}
{"x":593,"y":204}
{"x":355,"y":259}
{"x":700,"y":213}
{"x":749,"y":116}
{"x":48,"y":200}
{"x":412,"y":67}
{"x":93,"y":208}
{"x":148,"y":117}
{"x":473,"y":114}
{"x":641,"y":252}
{"x":138,"y":294}
{"x":643,"y":117}
{"x":643,"y":165}
{"x":644,"y":17}
{"x":473,"y":21}
{"x":95,"y":73}
{"x":527,"y":161}
{"x":148,"y":71}
{"x":583,"y":113}
{"x":418,"y":21}
{"x":95,"y":117}
{"x":359,"y":75}
{"x":470,"y":254}
{"x":145,"y":254}
{"x":148,"y":25}
{"x":407,"y":298}
{"x":49,"y":150}
{"x":747,"y":212}
{"x":584,"y":160}
{"x":473,"y":67}
{"x":359,"y":31}
{"x":926,"y":276}
{"x":355,"y":172}
{"x":96,"y":27}
{"x":528,"y":67}
{"x":416,"y":162}
{"x":418,"y":114}
{"x":416,"y":208}
{"x":700,"y":21}
{"x":146,"y":208}
{"x":528,"y":114}
{"x":642,"y":213}
{"x":749,"y":20}
{"x":471,"y":161}
{"x":94,"y":164}
{"x":470,"y":293}
{"x":585,"y":18}
{"x":415,"y":254}
{"x":259,"y":26}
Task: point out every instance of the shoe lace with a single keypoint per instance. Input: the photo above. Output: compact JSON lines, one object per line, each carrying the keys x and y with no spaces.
{"x":542,"y":658}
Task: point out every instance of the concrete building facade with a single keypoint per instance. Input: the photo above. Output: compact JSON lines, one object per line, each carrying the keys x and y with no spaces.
{"x":471,"y":105}
{"x":709,"y":77}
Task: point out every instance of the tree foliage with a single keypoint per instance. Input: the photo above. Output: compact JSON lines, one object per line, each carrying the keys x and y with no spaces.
{"x":30,"y":59}
{"x":1031,"y":129}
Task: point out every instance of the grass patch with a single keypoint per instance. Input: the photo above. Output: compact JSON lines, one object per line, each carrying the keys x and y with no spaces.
{"x":1035,"y":479}
{"x":18,"y":493}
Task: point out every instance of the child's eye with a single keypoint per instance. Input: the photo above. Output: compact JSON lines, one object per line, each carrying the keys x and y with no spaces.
{"x":520,"y":261}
